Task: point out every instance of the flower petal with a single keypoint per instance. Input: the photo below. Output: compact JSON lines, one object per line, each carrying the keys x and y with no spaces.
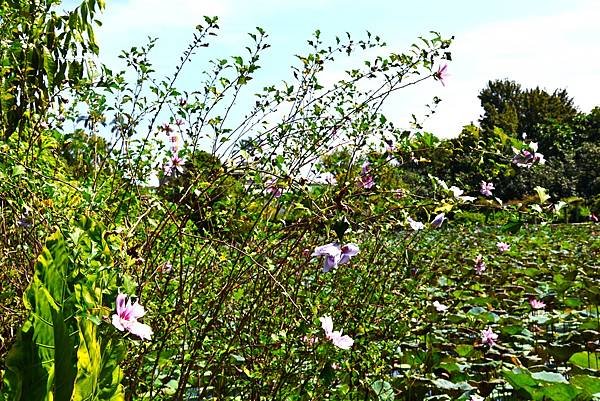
{"x":343,"y":342}
{"x":327,"y":325}
{"x":141,"y":330}
{"x":329,"y":249}
{"x":350,"y":249}
{"x":438,"y":220}
{"x":116,"y":321}
{"x":121,"y":303}
{"x":328,"y":263}
{"x":456,"y":191}
{"x":136,"y":310}
{"x":439,"y":307}
{"x":415,"y":225}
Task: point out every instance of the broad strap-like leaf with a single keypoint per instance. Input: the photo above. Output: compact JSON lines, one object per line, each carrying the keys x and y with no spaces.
{"x":40,"y":365}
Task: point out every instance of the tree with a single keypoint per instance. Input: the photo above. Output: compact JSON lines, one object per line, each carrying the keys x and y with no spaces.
{"x":499,"y":101}
{"x":41,"y":53}
{"x":516,"y":111}
{"x":587,"y":158}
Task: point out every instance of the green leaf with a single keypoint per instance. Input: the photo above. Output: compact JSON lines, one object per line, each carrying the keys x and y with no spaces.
{"x":476,"y":310}
{"x":563,"y":352}
{"x":23,"y":370}
{"x":549,"y":377}
{"x":448,"y":385}
{"x":50,"y":68}
{"x":75,"y":71}
{"x":464,"y":350}
{"x":512,"y":227}
{"x":327,"y":374}
{"x":18,"y":170}
{"x":46,"y":362}
{"x":519,"y":378}
{"x":88,"y":361}
{"x":541,"y":319}
{"x":560,"y":392}
{"x":573,"y":302}
{"x":42,"y":357}
{"x":589,"y":384}
{"x":340,"y":228}
{"x":584,"y":360}
{"x":98,"y":372}
{"x":64,"y":361}
{"x":383,"y":390}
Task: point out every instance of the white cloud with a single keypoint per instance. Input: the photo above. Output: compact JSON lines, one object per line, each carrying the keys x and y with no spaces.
{"x":156,"y":15}
{"x":554,"y":51}
{"x":557,"y":50}
{"x":129,"y":23}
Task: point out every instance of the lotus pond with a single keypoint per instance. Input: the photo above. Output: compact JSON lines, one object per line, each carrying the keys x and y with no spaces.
{"x":417,"y":311}
{"x":540,"y":297}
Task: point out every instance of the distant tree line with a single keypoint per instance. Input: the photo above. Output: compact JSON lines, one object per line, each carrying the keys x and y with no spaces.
{"x":569,"y":140}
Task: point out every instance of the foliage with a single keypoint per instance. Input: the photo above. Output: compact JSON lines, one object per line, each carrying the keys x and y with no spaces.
{"x":65,"y":297}
{"x":552,"y":121}
{"x":518,"y":111}
{"x":205,"y":193}
{"x":42,"y":53}
{"x":476,"y":156}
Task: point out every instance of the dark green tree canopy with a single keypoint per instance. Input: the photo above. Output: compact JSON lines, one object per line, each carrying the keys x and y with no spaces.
{"x":516,"y":111}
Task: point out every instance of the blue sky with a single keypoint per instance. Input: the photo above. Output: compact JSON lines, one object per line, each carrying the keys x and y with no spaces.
{"x":550,"y":43}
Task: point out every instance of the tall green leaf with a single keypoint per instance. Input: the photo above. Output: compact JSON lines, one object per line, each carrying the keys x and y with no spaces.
{"x":98,"y":372}
{"x":59,"y":354}
{"x":41,"y":362}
